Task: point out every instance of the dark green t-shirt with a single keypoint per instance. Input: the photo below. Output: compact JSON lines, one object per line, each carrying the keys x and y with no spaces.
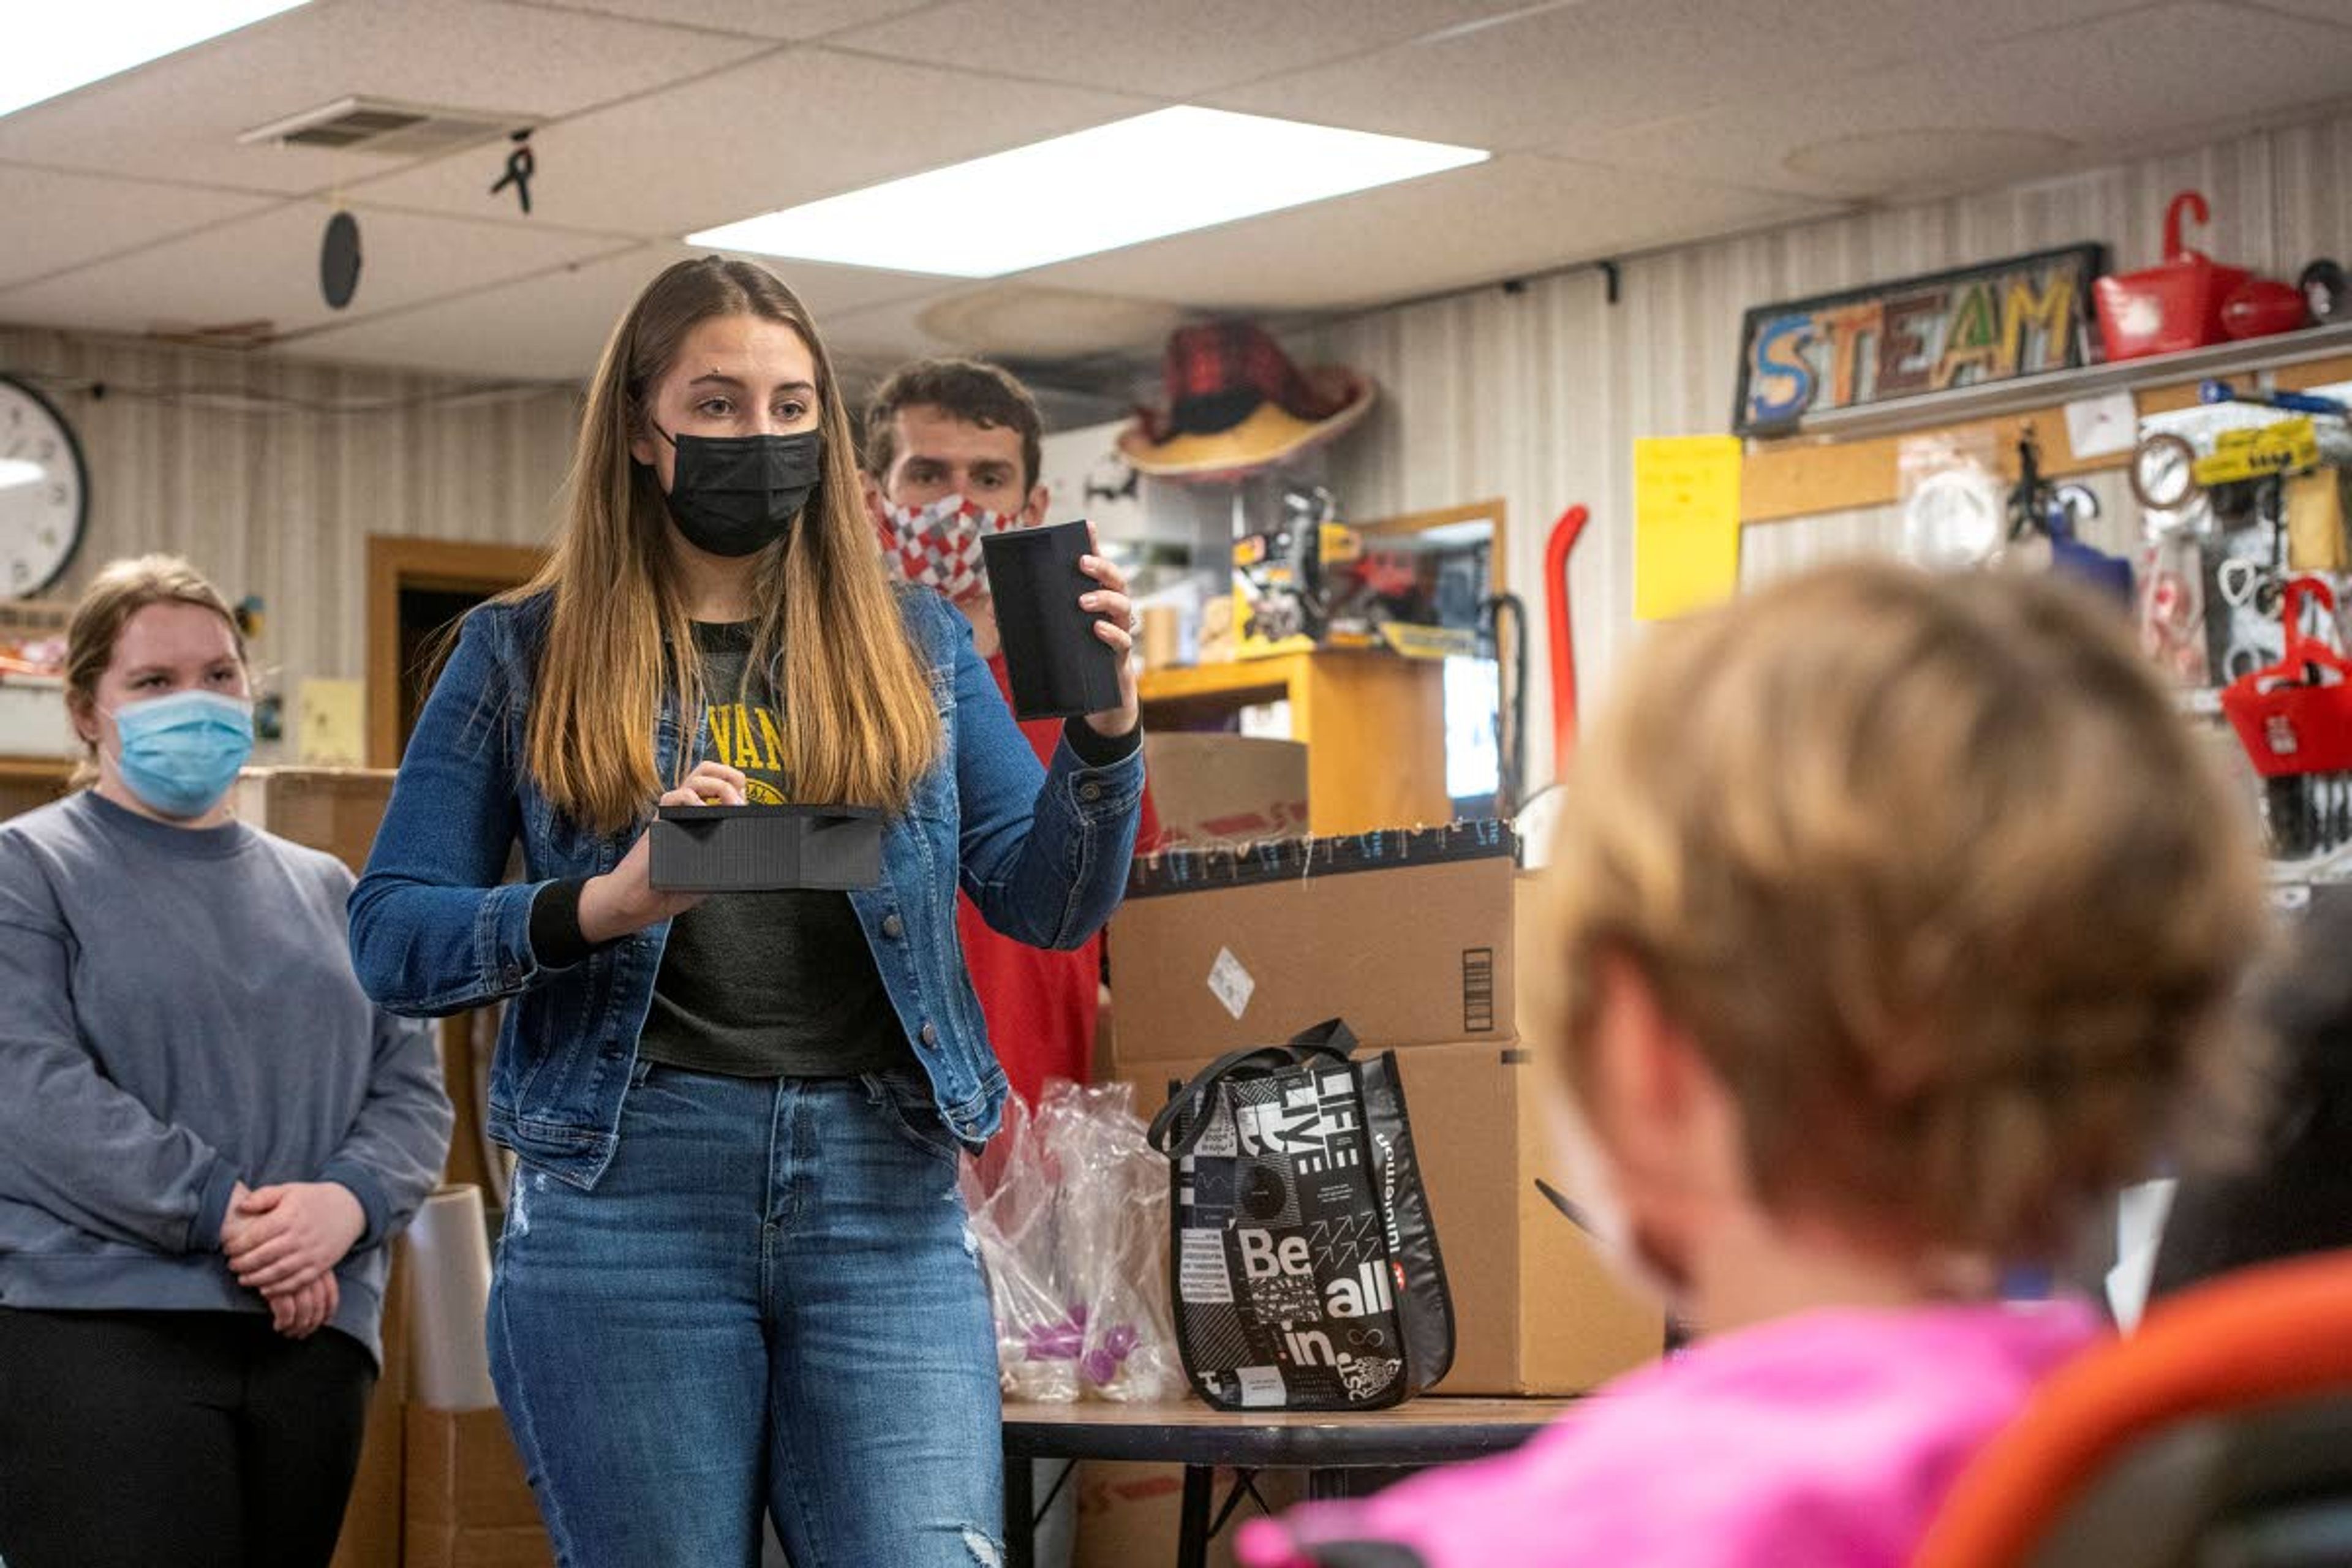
{"x":765,"y":985}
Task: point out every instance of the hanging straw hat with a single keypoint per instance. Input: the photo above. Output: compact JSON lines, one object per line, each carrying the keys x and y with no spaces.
{"x":1236,"y":403}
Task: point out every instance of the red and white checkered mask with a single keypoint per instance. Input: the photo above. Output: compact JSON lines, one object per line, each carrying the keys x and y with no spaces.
{"x":938,"y":544}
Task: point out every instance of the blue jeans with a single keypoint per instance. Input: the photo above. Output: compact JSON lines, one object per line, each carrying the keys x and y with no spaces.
{"x":769,"y":1301}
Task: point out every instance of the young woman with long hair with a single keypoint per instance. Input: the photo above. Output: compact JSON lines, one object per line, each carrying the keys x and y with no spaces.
{"x":736,"y":1275}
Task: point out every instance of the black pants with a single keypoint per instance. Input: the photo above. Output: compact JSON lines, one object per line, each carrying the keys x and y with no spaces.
{"x":198,"y":1439}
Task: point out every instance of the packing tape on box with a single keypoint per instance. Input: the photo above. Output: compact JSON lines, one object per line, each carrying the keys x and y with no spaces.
{"x":449,"y":1281}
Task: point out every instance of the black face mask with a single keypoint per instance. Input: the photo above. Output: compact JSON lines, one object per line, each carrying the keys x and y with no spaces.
{"x":732,"y":495}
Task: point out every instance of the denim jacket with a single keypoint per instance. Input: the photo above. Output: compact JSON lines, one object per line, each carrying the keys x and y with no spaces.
{"x":1043,"y":851}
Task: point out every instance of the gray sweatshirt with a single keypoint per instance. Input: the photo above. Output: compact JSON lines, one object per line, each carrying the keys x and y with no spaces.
{"x":178,"y":1014}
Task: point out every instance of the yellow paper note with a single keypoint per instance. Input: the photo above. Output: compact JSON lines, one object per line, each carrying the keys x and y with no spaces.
{"x":333,"y":724}
{"x":1685,"y":523}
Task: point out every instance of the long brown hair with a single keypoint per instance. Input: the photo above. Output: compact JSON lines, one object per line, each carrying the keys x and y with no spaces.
{"x":121,"y":591}
{"x":857,"y":721}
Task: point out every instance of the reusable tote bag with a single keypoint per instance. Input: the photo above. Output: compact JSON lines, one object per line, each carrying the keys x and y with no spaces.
{"x":1303,"y":1264}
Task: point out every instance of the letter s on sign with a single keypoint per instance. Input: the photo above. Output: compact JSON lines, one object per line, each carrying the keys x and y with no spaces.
{"x":1780,"y":384}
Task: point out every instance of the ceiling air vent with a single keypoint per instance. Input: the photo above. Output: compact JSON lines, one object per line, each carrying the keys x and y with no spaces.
{"x":384,"y":129}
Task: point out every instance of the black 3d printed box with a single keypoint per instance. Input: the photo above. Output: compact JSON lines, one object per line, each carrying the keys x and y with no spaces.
{"x":764,"y":848}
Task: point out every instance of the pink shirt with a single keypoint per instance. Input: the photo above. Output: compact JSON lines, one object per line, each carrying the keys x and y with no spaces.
{"x":1825,"y":1440}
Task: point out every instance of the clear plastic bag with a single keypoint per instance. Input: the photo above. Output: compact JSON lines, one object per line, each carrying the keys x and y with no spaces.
{"x":1069,"y":1206}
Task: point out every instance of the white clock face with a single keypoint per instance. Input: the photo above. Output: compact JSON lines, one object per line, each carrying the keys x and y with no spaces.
{"x":44,"y":492}
{"x":2163,"y":472}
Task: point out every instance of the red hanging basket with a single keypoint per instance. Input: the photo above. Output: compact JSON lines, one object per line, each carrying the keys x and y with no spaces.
{"x":2295,"y":717}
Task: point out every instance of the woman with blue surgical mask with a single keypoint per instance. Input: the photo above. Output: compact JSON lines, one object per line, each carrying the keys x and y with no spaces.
{"x":208,"y":1134}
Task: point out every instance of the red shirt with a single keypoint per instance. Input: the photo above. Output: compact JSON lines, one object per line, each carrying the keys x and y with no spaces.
{"x":1040,"y":1006}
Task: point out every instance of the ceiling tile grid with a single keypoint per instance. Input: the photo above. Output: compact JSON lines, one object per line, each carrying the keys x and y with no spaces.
{"x":784,"y":129}
{"x":786,"y":20}
{"x":553,"y":325}
{"x":2106,"y":89}
{"x":1165,"y":49}
{"x":1513,"y":215}
{"x":84,"y":218}
{"x":265,"y":268}
{"x":1622,"y":126}
{"x":1564,"y":73}
{"x":179,"y":118}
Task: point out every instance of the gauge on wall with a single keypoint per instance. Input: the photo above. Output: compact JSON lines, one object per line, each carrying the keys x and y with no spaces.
{"x":2163,"y":472}
{"x":44,"y":492}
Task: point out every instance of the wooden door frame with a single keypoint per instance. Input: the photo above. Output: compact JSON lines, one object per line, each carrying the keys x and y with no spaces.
{"x":395,"y":561}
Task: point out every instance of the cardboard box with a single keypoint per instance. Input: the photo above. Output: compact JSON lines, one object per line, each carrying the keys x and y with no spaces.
{"x":33,"y":717}
{"x":469,"y":1505}
{"x":1536,"y":1309}
{"x":334,"y":809}
{"x":1129,"y":1514}
{"x":1225,"y":789}
{"x":1406,"y":935}
{"x":372,"y":1521}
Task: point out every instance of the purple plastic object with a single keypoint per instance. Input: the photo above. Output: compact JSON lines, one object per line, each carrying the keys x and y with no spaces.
{"x":1065,"y":1341}
{"x":1060,"y":1343}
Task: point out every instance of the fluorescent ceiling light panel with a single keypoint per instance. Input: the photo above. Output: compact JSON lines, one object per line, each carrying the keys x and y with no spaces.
{"x":56,"y":45}
{"x":1121,"y":184}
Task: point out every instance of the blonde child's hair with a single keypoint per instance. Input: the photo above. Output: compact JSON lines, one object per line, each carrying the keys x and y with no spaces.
{"x":1937,"y":881}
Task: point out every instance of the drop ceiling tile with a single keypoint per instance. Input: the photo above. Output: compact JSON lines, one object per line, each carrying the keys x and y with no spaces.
{"x":1564,"y":72}
{"x":1154,"y":46}
{"x":64,"y":220}
{"x":866,"y":342}
{"x":784,"y":19}
{"x":2335,"y":11}
{"x":782,"y":130}
{"x":179,"y":118}
{"x":267,"y":268}
{"x":1514,"y":215}
{"x":553,"y":326}
{"x":2193,"y":64}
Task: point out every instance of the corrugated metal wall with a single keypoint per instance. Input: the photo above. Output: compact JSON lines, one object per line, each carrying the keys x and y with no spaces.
{"x":1536,"y":395}
{"x":262,"y":473}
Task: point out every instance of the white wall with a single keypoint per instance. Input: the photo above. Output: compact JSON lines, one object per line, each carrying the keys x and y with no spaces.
{"x":245,"y":465}
{"x":1536,"y":395}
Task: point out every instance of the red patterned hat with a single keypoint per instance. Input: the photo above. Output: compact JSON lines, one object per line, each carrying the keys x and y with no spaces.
{"x":1237,"y":403}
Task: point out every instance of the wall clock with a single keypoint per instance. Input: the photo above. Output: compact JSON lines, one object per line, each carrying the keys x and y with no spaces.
{"x":2163,"y":472}
{"x":44,"y":492}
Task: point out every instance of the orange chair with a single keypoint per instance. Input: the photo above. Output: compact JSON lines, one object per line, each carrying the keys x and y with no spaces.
{"x":2220,"y":1433}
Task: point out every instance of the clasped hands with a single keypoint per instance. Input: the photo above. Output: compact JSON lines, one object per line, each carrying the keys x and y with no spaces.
{"x":284,"y":1242}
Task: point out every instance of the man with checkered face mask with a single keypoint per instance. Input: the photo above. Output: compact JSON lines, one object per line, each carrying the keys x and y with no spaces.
{"x":952,"y":454}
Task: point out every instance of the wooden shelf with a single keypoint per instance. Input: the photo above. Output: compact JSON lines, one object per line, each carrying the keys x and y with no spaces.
{"x":1930,"y":410}
{"x":1849,"y":459}
{"x":29,"y":782}
{"x":1373,"y":724}
{"x":1241,"y":680}
{"x":34,"y":769}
